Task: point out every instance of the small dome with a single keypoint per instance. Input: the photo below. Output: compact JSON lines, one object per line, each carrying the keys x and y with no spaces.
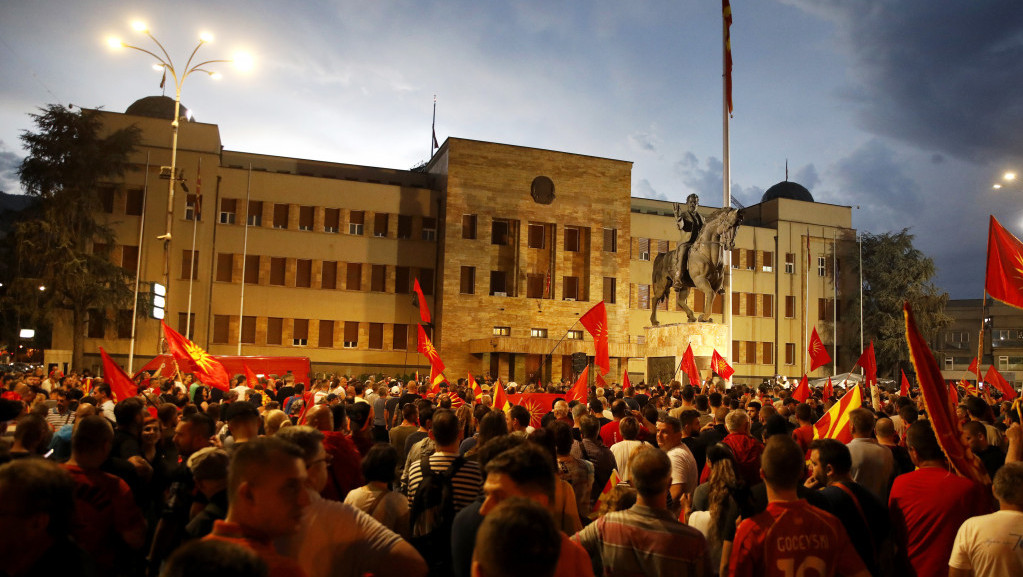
{"x":157,"y":107}
{"x":789,"y":190}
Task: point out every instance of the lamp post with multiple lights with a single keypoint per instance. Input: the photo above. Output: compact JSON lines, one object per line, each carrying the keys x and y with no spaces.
{"x":166,"y":64}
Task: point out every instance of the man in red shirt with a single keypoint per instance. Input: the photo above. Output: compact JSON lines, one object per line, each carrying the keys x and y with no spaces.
{"x":791,"y":537}
{"x":345,"y":468}
{"x":804,"y":433}
{"x":929,"y":504}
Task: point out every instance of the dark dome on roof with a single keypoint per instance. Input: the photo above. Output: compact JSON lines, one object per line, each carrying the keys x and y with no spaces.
{"x":790,"y":190}
{"x":157,"y":107}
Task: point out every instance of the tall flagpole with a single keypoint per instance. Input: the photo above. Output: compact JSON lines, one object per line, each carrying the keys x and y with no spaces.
{"x":433,"y":128}
{"x":726,"y":176}
{"x":245,"y":249}
{"x":195,"y":227}
{"x":834,"y":308}
{"x":138,"y":270}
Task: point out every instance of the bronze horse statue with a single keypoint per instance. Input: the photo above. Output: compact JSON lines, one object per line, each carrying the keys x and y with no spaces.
{"x":698,"y":265}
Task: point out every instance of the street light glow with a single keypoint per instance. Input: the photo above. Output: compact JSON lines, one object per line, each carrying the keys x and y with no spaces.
{"x":216,"y":75}
{"x":1010,"y":176}
{"x":115,"y":42}
{"x":206,"y":37}
{"x":140,"y":26}
{"x":243,"y":60}
{"x":996,"y":186}
{"x":42,"y":288}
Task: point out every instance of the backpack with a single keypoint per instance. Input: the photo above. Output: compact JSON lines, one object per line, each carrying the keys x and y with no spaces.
{"x":432,"y":514}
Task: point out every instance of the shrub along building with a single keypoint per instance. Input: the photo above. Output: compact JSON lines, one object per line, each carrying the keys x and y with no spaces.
{"x":511,"y":245}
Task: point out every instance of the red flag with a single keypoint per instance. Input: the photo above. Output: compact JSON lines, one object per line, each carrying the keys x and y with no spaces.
{"x":719,"y":365}
{"x":500,"y":398}
{"x":835,"y":423}
{"x":580,"y":391}
{"x":904,"y":391}
{"x":456,"y":401}
{"x":307,"y":403}
{"x":436,"y":378}
{"x":996,"y":379}
{"x":207,"y":369}
{"x":726,"y":13}
{"x":868,"y":364}
{"x":121,"y":386}
{"x":974,"y":367}
{"x":625,"y":379}
{"x":953,"y":393}
{"x":828,"y":391}
{"x":475,"y":388}
{"x":688,"y":365}
{"x":969,"y":387}
{"x":420,"y":303}
{"x":818,"y":352}
{"x":595,"y":321}
{"x":802,"y":392}
{"x":600,"y":381}
{"x":941,"y":412}
{"x":250,"y":378}
{"x":426,"y":347}
{"x":1004,"y":265}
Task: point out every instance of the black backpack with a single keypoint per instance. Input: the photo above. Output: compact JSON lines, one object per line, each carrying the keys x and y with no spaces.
{"x":432,"y":514}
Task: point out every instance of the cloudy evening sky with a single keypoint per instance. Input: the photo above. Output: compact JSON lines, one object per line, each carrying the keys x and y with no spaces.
{"x":909,"y":109}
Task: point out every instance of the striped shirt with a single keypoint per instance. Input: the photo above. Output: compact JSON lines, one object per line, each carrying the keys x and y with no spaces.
{"x":57,"y":420}
{"x":645,"y":541}
{"x":468,"y":482}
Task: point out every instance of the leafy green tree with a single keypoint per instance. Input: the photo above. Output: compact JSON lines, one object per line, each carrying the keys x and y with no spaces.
{"x":61,"y":244}
{"x":895,"y":272}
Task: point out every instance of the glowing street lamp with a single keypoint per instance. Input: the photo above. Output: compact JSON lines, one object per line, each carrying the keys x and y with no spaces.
{"x":1008,"y":177}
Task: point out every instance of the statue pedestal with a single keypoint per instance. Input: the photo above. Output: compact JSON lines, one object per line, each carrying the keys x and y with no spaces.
{"x":665,"y":345}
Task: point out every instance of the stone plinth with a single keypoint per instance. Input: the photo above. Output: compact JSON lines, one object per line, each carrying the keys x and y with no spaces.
{"x":670,"y":341}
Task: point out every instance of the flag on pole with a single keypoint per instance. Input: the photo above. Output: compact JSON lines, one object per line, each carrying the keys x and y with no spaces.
{"x":208,"y":369}
{"x":726,"y":13}
{"x":969,"y":387}
{"x":599,"y":380}
{"x":835,"y":423}
{"x":436,"y":378}
{"x":688,"y":365}
{"x":595,"y":321}
{"x":605,"y":493}
{"x":477,"y":392}
{"x":250,"y":378}
{"x":579,"y":391}
{"x":426,"y":347}
{"x":1004,"y":265}
{"x":953,"y":393}
{"x":802,"y":392}
{"x":121,"y":385}
{"x":974,"y":367}
{"x":869,"y":365}
{"x":419,"y":301}
{"x":818,"y":352}
{"x":828,"y":391}
{"x":719,"y":365}
{"x":904,"y":391}
{"x":996,"y":379}
{"x":198,"y":191}
{"x":500,"y":397}
{"x":625,"y":379}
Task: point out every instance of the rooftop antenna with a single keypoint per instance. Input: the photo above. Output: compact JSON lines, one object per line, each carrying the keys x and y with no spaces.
{"x":786,"y":170}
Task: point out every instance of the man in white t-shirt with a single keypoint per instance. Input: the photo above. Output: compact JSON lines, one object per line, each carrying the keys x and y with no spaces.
{"x":622,"y":450}
{"x":992,"y":545}
{"x":684,"y":477}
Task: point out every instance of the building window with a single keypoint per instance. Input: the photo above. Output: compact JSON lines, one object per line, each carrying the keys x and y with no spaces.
{"x":538,"y":333}
{"x":300,"y":333}
{"x":402,"y":284}
{"x":644,"y":249}
{"x":380,"y":227}
{"x":356,"y":221}
{"x":535,"y":286}
{"x":751,"y":352}
{"x":751,"y":304}
{"x":429,"y":228}
{"x":376,"y":336}
{"x":129,"y":258}
{"x":768,"y":310}
{"x":354,"y":277}
{"x":426,"y":280}
{"x":249,"y":330}
{"x":97,"y":322}
{"x":502,"y":331}
{"x":736,"y":300}
{"x":186,"y":325}
{"x":305,"y":217}
{"x":1003,"y":363}
{"x":133,"y":202}
{"x":404,"y":226}
{"x":221,"y":329}
{"x":790,"y":262}
{"x":225,"y":267}
{"x":106,"y":198}
{"x":469,"y":226}
{"x":570,"y":290}
{"x":277,"y":270}
{"x":228,"y":210}
{"x":822,"y":266}
{"x":536,"y":238}
{"x":498,"y":283}
{"x":192,"y":207}
{"x":735,"y":257}
{"x":378,"y":278}
{"x":326,"y":336}
{"x":574,"y":335}
{"x":825,"y":309}
{"x":332,"y":220}
{"x":768,"y":353}
{"x":467,"y":285}
{"x":610,"y":290}
{"x":254,"y":216}
{"x":751,"y":259}
{"x":190,"y":264}
{"x":790,"y":307}
{"x":610,"y":240}
{"x":124,"y":324}
{"x":351,"y":334}
{"x":572,"y":236}
{"x":790,"y":353}
{"x":281,"y":214}
{"x":399,"y":341}
{"x":304,"y":273}
{"x":950,"y":364}
{"x":274,"y":330}
{"x":499,"y":232}
{"x":328,"y":275}
{"x":252,"y":269}
{"x":644,"y":297}
{"x":957,"y":337}
{"x":662,"y":247}
{"x":768,"y":265}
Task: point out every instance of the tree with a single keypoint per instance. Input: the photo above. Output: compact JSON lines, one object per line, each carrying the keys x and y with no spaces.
{"x":895,"y":272}
{"x":60,"y":244}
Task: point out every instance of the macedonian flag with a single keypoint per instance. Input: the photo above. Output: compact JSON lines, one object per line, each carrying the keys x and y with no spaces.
{"x":426,"y":347}
{"x":1004,"y":265}
{"x":206,"y":368}
{"x":595,"y":321}
{"x":719,"y":365}
{"x":818,"y":352}
{"x":835,"y":423}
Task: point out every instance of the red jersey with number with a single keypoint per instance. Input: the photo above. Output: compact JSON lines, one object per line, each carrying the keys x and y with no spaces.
{"x":793,"y":539}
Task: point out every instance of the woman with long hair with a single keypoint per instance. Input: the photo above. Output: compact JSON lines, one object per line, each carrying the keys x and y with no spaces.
{"x":719,"y":500}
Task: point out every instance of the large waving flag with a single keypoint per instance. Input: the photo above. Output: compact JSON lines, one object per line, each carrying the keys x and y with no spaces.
{"x":904,"y":390}
{"x":425,"y":346}
{"x":500,"y":397}
{"x":595,"y":321}
{"x":818,"y":352}
{"x":688,"y":365}
{"x":419,"y":301}
{"x":474,"y":387}
{"x":835,"y":423}
{"x":996,"y":379}
{"x":726,"y":13}
{"x":121,"y":385}
{"x":579,"y":391}
{"x":208,"y":369}
{"x":869,"y":365}
{"x":251,"y":380}
{"x":1004,"y":279}
{"x":719,"y":365}
{"x":940,"y":410}
{"x":828,"y":391}
{"x":802,"y":392}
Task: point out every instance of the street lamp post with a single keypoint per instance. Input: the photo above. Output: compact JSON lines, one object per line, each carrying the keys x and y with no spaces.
{"x":167,"y":65}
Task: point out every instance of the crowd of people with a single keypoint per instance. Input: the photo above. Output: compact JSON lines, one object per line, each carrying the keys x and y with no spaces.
{"x":380,"y":476}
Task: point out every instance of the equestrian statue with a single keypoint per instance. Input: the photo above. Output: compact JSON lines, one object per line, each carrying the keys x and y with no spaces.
{"x":698,"y":261}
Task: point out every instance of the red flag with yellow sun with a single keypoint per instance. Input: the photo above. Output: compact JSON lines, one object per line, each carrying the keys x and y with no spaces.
{"x":206,"y":368}
{"x":1004,"y":279}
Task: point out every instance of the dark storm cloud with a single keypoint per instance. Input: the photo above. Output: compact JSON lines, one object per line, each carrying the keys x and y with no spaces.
{"x":874,"y":178}
{"x":941,"y":76}
{"x":9,"y":163}
{"x":706,"y":181}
